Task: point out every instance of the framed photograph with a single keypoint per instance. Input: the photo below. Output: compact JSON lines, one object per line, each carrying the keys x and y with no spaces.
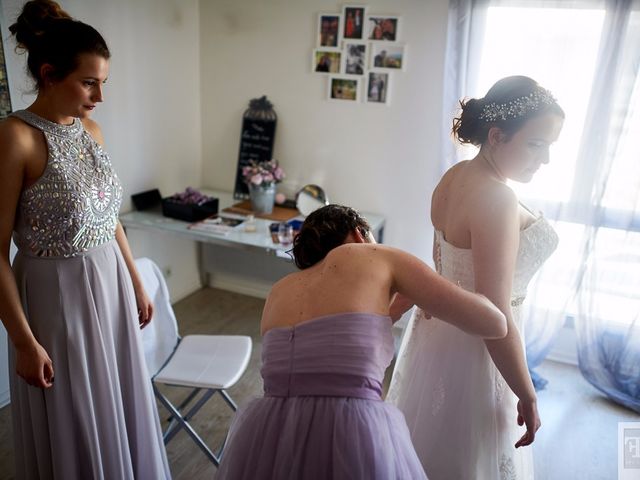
{"x":382,"y":28}
{"x":5,"y":99}
{"x":378,"y":88}
{"x":344,"y":89}
{"x":329,"y":28}
{"x":326,"y":60}
{"x":387,"y":56}
{"x":354,"y":57}
{"x":353,"y":17}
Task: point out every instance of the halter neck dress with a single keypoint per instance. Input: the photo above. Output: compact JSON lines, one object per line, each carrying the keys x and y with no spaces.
{"x":99,"y":419}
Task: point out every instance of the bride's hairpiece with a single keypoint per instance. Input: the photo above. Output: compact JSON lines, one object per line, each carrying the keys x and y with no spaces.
{"x":517,"y":107}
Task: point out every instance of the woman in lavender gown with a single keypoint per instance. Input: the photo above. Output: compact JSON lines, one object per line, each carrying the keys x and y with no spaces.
{"x":327,"y":343}
{"x":73,"y":302}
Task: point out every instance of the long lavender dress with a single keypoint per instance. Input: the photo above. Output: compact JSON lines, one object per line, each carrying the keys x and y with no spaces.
{"x":322,"y":416}
{"x":99,"y":419}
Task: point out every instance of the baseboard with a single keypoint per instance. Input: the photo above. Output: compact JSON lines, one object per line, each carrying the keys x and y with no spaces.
{"x":564,"y":349}
{"x":243,"y":286}
{"x":5,"y":398}
{"x":562,"y":357}
{"x":178,"y":295}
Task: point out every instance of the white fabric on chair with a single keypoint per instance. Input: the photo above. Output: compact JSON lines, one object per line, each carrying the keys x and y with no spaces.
{"x":206,"y":364}
{"x":160,"y":337}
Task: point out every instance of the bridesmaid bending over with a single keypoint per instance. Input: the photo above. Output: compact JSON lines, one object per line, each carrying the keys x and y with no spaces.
{"x":326,"y":344}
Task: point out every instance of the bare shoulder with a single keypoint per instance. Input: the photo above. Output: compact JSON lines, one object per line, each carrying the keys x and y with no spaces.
{"x":447,"y":194}
{"x":94,"y":130}
{"x":17,"y":139}
{"x":283,"y":283}
{"x":14,"y":129}
{"x":361,"y":259}
{"x":449,"y":177}
{"x":494,"y":194}
{"x":355,"y":252}
{"x":492,"y":202}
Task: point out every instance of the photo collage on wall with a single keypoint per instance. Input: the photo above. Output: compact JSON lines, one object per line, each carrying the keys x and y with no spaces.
{"x":359,"y":52}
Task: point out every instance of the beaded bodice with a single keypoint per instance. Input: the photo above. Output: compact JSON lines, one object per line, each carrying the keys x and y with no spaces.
{"x":537,"y":243}
{"x":74,"y":205}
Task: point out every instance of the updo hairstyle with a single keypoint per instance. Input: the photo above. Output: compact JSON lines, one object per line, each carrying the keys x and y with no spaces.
{"x":323,"y":230}
{"x":51,"y":36}
{"x":473,"y":124}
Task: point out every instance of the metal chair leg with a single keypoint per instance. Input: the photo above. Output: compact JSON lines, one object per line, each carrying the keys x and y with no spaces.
{"x":176,"y":414}
{"x":186,"y":401}
{"x":228,"y":399}
{"x":171,"y":431}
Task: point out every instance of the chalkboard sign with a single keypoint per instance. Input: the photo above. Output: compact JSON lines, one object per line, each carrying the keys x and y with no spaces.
{"x":256,"y":140}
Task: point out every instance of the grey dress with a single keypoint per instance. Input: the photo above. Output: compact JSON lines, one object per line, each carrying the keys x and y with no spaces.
{"x":99,"y":419}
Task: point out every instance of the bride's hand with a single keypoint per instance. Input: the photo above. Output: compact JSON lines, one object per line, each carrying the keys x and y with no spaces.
{"x":528,"y":415}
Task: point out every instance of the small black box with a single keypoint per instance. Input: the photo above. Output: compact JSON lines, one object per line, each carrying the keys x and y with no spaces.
{"x":189,"y":212}
{"x":146,"y":200}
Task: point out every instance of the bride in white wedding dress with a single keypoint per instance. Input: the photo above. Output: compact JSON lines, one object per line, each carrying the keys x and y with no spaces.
{"x":465,"y":400}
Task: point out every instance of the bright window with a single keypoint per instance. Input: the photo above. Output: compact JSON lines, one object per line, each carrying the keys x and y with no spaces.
{"x":563,"y":59}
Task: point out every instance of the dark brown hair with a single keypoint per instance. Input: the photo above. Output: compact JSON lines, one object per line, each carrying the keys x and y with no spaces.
{"x":323,"y":230}
{"x":51,"y":36}
{"x":469,"y":128}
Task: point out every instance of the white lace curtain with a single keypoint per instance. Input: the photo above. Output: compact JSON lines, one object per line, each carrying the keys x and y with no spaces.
{"x":591,"y":189}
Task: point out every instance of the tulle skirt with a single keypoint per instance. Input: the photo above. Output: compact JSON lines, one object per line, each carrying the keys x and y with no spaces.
{"x":99,"y":419}
{"x":319,"y":438}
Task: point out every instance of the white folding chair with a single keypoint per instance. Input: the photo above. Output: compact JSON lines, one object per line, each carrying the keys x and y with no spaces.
{"x":209,"y":363}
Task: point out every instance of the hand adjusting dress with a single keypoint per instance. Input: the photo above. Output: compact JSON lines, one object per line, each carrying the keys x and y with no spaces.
{"x":460,"y":411}
{"x":322,"y":416}
{"x":99,"y":419}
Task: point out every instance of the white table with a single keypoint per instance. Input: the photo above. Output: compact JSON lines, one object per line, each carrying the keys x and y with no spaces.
{"x":238,"y":238}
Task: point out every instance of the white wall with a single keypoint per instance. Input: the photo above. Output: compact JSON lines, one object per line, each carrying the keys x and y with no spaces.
{"x":151,"y":114}
{"x":183,"y":71}
{"x":378,"y":159}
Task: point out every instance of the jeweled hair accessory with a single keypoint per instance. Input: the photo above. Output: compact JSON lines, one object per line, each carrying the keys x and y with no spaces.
{"x":517,"y":107}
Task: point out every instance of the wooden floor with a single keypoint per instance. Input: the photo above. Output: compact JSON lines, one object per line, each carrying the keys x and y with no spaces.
{"x":578,"y":438}
{"x":208,"y":311}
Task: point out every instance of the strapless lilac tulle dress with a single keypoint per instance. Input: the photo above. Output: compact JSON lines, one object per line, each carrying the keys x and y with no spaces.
{"x":322,"y":416}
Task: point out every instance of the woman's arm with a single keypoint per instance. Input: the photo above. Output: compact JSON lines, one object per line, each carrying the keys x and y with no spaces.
{"x":495,"y":237}
{"x":399,"y":305}
{"x":439,"y":297}
{"x":145,"y":307}
{"x":32,"y":361}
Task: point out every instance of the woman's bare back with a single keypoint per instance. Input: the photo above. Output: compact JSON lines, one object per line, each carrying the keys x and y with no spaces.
{"x":462,"y":195}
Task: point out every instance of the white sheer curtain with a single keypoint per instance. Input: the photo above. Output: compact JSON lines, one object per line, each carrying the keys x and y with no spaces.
{"x":608,"y":286}
{"x":465,"y":34}
{"x":586,"y":52}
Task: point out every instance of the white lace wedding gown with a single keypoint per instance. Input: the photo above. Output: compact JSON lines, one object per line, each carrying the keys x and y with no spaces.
{"x":461,"y":414}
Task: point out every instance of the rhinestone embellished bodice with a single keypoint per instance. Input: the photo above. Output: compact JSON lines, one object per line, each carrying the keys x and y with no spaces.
{"x":73,"y":207}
